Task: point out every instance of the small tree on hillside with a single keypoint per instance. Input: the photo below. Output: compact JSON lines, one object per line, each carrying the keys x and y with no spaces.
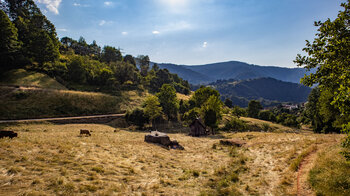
{"x":254,"y":108}
{"x":152,"y":109}
{"x":212,"y":112}
{"x":228,"y":103}
{"x":168,"y":101}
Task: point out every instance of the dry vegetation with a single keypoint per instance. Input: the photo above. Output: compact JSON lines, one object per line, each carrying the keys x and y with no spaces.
{"x":52,"y":159}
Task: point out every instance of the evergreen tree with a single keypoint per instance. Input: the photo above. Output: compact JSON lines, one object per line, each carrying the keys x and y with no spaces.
{"x":9,"y":45}
{"x":254,"y":108}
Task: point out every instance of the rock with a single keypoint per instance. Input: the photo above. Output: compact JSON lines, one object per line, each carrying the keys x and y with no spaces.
{"x":159,"y":138}
{"x":232,"y":142}
{"x":10,"y":134}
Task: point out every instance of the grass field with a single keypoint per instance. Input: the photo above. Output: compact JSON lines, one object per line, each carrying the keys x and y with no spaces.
{"x":53,"y":159}
{"x":21,"y":77}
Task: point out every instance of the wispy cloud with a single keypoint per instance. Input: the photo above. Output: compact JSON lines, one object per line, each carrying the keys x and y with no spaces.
{"x":64,"y":30}
{"x":104,"y":22}
{"x":51,"y":5}
{"x":80,"y":5}
{"x":125,"y":33}
{"x":155,"y":32}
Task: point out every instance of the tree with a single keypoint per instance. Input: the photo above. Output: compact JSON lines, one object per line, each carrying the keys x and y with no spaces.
{"x":137,"y":117}
{"x":212,"y":112}
{"x":144,"y":64}
{"x":36,"y":33}
{"x":129,"y":59}
{"x":111,"y":54}
{"x":254,"y":108}
{"x":202,"y":94}
{"x":152,"y":109}
{"x":124,"y":72}
{"x":168,"y":101}
{"x":329,"y":54}
{"x":228,"y":103}
{"x":9,"y":45}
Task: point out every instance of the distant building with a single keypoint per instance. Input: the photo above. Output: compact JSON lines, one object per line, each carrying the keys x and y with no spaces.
{"x":197,"y":128}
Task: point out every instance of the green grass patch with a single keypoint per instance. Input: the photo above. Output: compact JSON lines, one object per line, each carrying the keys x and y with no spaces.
{"x":330,"y":175}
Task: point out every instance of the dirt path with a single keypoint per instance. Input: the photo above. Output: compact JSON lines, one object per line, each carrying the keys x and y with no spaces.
{"x":303,"y":187}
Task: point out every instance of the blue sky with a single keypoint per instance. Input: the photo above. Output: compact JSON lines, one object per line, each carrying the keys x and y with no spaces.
{"x":193,"y":32}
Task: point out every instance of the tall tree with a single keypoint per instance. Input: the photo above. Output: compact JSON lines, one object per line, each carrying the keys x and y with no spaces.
{"x":212,"y":112}
{"x":168,"y":101}
{"x":111,"y":54}
{"x":144,"y":64}
{"x":202,"y":94}
{"x":9,"y":45}
{"x":254,"y":108}
{"x":33,"y":27}
{"x":129,"y":59}
{"x":329,"y":53}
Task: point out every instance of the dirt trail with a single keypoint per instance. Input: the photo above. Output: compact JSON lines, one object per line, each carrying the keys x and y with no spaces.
{"x":303,"y":187}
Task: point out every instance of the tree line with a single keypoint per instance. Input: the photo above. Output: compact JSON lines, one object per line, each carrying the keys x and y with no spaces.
{"x":29,"y":40}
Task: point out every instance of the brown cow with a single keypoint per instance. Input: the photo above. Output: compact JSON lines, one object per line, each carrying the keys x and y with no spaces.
{"x":10,"y":134}
{"x":85,"y":132}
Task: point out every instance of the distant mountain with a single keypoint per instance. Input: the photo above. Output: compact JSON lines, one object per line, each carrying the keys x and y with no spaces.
{"x":268,"y":90}
{"x":204,"y":74}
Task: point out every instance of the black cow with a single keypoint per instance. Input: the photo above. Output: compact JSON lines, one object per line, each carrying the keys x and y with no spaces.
{"x":10,"y":134}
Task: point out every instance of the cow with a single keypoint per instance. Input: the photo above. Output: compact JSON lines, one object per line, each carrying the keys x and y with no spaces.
{"x":10,"y":134}
{"x":85,"y":132}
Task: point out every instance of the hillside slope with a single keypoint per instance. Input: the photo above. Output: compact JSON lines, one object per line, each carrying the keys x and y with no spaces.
{"x":21,"y":77}
{"x":204,"y":74}
{"x":268,"y":89}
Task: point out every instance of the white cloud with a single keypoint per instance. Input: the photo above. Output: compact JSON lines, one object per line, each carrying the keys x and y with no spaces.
{"x":125,"y":33}
{"x":205,"y":44}
{"x":51,"y":5}
{"x":155,"y":32}
{"x":108,"y":3}
{"x":175,"y":6}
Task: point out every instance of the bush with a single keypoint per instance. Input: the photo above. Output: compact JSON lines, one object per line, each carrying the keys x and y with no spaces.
{"x":137,"y":117}
{"x":235,"y":124}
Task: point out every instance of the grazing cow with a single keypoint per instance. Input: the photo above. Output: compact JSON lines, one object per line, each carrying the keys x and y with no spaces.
{"x":10,"y":134}
{"x":85,"y":132}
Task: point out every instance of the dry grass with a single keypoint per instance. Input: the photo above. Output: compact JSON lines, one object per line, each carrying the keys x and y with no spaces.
{"x":262,"y":124}
{"x":22,"y":77}
{"x":52,"y":159}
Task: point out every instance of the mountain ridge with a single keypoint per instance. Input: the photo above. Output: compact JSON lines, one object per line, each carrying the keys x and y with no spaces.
{"x":207,"y":73}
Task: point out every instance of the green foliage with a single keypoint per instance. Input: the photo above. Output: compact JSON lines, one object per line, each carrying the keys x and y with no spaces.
{"x":254,"y":108}
{"x":212,"y":112}
{"x":9,"y":44}
{"x":329,"y":53}
{"x":137,"y":117}
{"x":111,"y":54}
{"x":238,"y":111}
{"x":168,"y":101}
{"x":265,"y":115}
{"x":189,"y":116}
{"x":202,"y":94}
{"x":144,"y":64}
{"x":183,"y":106}
{"x":235,"y":124}
{"x":152,"y":108}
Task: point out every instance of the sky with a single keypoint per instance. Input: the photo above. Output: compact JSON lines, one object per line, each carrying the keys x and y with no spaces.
{"x":194,"y":32}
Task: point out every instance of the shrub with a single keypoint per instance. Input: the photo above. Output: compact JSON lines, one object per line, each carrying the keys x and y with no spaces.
{"x":235,"y":124}
{"x":137,"y":117}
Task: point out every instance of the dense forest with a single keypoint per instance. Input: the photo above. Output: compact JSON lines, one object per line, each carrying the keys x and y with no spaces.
{"x":29,"y":40}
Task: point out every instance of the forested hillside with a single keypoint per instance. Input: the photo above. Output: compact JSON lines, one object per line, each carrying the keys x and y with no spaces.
{"x":29,"y":40}
{"x":204,"y":74}
{"x":267,"y":90}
